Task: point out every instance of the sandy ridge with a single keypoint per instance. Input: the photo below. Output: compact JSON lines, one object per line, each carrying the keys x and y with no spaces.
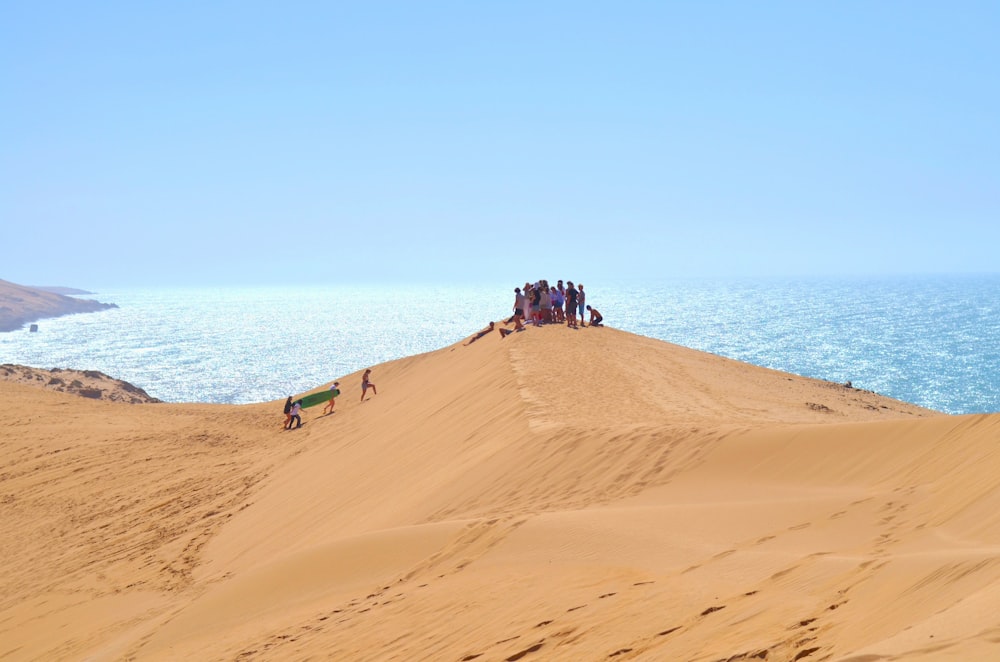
{"x":634,"y":500}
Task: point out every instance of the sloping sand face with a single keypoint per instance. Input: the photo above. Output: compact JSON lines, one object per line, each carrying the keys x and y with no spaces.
{"x":556,"y":494}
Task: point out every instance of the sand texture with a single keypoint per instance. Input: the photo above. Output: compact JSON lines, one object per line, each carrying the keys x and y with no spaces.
{"x":552,"y":495}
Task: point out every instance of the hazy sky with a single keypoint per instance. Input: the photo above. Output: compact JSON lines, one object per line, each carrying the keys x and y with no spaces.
{"x":245,"y":142}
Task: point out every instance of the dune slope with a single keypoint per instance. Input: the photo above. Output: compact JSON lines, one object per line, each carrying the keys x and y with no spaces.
{"x":557,"y":494}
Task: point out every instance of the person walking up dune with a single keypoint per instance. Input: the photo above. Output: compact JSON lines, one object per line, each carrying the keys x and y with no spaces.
{"x":366,"y":384}
{"x":334,"y":392}
{"x":296,"y":415}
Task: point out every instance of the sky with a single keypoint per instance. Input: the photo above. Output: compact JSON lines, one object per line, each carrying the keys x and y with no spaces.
{"x":272,"y":143}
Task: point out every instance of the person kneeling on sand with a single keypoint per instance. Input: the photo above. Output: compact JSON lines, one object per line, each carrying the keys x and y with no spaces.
{"x":595,"y":317}
{"x":334,"y":392}
{"x":517,"y":327}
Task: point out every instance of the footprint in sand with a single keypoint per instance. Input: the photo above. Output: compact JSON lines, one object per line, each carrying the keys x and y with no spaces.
{"x":520,"y":654}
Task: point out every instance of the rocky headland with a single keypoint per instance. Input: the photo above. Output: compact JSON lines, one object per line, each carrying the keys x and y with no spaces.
{"x":20,"y":305}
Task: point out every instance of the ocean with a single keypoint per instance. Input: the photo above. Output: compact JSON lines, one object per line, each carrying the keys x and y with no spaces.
{"x":931,"y":340}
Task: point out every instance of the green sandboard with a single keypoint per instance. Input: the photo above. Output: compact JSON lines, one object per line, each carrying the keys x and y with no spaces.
{"x":315,"y":398}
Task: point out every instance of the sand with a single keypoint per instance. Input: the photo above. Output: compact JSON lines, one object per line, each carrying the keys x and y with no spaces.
{"x":552,"y":495}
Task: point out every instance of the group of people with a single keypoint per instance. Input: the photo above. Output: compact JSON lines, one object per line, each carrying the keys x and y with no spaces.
{"x":293,"y":410}
{"x":540,"y":303}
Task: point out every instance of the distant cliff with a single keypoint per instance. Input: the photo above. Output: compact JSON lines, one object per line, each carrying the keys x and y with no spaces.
{"x":20,"y":305}
{"x":85,"y":383}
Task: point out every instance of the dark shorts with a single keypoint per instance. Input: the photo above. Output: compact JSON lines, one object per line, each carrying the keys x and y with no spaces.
{"x":519,"y":311}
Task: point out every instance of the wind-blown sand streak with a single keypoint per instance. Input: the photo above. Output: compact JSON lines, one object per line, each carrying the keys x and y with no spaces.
{"x":557,"y":494}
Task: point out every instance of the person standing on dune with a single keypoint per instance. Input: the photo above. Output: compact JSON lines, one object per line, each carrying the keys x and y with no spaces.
{"x":366,"y":384}
{"x":518,"y":309}
{"x":571,"y":305}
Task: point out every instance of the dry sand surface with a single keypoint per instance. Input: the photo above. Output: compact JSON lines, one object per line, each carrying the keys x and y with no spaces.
{"x":553,"y":495}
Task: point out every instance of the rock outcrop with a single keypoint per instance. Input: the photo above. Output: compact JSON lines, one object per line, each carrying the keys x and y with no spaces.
{"x":85,"y":383}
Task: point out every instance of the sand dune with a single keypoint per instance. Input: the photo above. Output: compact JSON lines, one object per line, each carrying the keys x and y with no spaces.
{"x":554,"y":495}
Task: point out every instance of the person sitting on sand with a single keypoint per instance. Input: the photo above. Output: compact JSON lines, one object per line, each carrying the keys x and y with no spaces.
{"x":334,"y":392}
{"x":367,"y":384}
{"x":295,"y":415}
{"x":488,"y":329}
{"x":595,"y":317}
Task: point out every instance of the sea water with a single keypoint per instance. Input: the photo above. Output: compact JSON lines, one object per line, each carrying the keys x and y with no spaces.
{"x":933,"y":341}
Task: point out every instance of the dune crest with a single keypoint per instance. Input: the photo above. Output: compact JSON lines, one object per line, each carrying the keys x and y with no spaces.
{"x":555,"y":494}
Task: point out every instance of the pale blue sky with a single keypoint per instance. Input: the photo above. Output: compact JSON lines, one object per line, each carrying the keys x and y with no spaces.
{"x":247,"y":142}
